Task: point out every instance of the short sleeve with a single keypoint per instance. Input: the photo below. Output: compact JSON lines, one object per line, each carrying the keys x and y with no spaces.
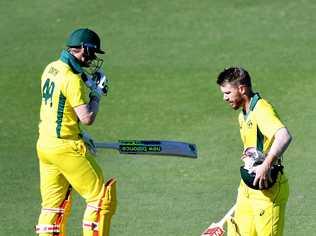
{"x":75,"y":91}
{"x":268,"y":121}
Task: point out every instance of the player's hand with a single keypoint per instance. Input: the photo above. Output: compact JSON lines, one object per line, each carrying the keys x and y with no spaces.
{"x":102,"y":86}
{"x":89,"y":81}
{"x":89,"y":142}
{"x":262,"y":175}
{"x":97,"y":83}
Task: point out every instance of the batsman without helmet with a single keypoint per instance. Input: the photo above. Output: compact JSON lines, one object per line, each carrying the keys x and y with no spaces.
{"x":263,"y":191}
{"x":65,"y":152}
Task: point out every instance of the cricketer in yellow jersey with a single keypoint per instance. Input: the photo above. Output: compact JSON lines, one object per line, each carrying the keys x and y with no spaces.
{"x":260,"y":209}
{"x":64,"y":151}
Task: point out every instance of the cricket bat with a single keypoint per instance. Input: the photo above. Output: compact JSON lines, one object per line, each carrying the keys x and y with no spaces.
{"x":152,"y":147}
{"x":216,"y":229}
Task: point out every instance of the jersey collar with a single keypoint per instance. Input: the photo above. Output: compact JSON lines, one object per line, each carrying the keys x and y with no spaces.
{"x":253,"y":102}
{"x":70,"y":60}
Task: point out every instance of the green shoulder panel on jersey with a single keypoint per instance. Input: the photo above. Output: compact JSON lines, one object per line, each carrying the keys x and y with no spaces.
{"x":254,"y":100}
{"x":60,"y":113}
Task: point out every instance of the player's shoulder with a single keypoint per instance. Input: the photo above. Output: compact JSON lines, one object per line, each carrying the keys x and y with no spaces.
{"x":65,"y":71}
{"x":263,"y":104}
{"x":56,"y":68}
{"x":62,"y":73}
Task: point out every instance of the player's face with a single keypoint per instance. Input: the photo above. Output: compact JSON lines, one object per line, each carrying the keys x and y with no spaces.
{"x":85,"y":58}
{"x":232,"y":94}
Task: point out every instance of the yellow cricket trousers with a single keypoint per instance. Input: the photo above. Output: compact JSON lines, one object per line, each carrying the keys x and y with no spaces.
{"x":260,"y":212}
{"x":63,"y":163}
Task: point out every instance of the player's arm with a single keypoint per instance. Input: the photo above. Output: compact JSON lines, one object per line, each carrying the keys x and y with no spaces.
{"x":282,"y":139}
{"x":272,"y":128}
{"x":98,"y":88}
{"x":87,"y":113}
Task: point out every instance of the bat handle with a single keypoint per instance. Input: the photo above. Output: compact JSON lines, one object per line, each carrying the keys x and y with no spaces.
{"x":228,"y":214}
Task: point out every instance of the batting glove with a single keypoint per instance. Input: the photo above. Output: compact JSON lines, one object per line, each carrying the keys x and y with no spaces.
{"x":252,"y":157}
{"x":101,"y":81}
{"x":97,"y":83}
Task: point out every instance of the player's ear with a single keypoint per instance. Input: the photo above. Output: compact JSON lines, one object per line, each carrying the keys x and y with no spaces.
{"x":242,"y":89}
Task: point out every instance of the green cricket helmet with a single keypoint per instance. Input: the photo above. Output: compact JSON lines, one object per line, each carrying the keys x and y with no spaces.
{"x":84,"y":37}
{"x":249,"y":177}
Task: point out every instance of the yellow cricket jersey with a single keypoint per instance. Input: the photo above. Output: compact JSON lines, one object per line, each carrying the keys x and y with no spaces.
{"x":259,"y":125}
{"x":62,"y":89}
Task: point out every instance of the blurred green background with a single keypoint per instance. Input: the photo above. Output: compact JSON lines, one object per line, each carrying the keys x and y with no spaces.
{"x":162,"y":58}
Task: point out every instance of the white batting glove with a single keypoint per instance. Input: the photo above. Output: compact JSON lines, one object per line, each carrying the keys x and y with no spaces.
{"x":89,"y":81}
{"x":252,"y":157}
{"x":101,"y":81}
{"x":89,"y":142}
{"x":97,"y":83}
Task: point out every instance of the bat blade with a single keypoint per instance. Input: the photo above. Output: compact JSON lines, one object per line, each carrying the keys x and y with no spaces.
{"x":152,"y":147}
{"x":214,"y":230}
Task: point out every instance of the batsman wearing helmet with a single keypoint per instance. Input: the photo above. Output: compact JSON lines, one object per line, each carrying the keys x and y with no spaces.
{"x":263,"y":191}
{"x":71,"y":89}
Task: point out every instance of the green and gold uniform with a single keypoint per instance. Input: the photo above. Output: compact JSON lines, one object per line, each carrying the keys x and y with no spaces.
{"x":64,"y":160}
{"x":62,"y":90}
{"x":260,"y":212}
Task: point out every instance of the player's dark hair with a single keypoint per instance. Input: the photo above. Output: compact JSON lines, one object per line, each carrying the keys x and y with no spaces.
{"x":234,"y":75}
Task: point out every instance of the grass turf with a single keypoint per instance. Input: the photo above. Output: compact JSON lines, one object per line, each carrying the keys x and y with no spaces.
{"x":162,"y":60}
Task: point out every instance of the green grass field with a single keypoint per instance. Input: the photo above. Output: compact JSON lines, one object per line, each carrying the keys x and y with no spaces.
{"x":162,"y":59}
